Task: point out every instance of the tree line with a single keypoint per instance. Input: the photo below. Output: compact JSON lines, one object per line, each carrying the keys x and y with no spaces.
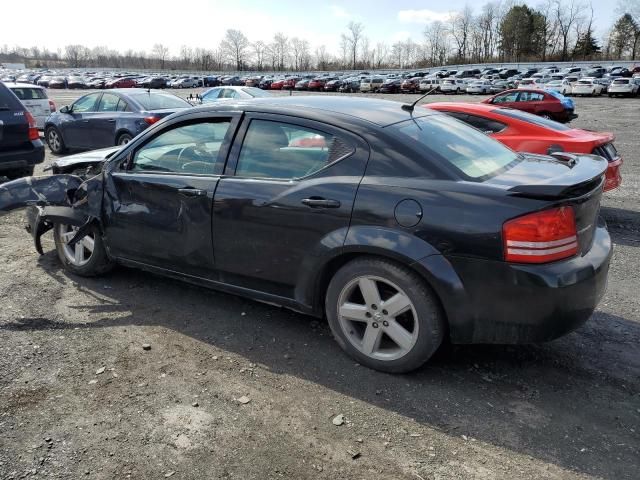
{"x":500,"y":31}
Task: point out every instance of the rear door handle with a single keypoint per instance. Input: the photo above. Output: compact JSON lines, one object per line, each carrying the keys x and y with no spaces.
{"x":317,"y":202}
{"x":192,"y":192}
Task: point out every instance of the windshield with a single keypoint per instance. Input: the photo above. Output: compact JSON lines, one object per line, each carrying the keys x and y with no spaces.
{"x":159,"y":101}
{"x":471,"y":152}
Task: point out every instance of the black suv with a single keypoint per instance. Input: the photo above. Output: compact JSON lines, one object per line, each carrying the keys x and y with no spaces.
{"x":20,"y":145}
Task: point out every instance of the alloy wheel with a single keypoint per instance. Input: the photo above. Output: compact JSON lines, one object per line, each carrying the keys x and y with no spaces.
{"x":80,"y":253}
{"x":54,"y":140}
{"x":378,"y":318}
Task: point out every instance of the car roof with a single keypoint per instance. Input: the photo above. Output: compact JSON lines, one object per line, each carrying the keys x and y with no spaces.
{"x":23,"y":85}
{"x":324,"y":108}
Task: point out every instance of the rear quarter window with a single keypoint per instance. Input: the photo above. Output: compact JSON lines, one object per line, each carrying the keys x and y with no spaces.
{"x":8,"y":100}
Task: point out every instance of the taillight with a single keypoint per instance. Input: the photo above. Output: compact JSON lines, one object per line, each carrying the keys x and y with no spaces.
{"x":52,"y":106}
{"x":151,"y":120}
{"x":33,"y":126}
{"x":541,"y":237}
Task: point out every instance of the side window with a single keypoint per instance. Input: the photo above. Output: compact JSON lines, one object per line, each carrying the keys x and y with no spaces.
{"x":122,"y":106}
{"x":86,"y":104}
{"x":285,"y":151}
{"x":108,"y":103}
{"x":463,"y":117}
{"x":531,"y":97}
{"x":507,"y":97}
{"x":189,"y":149}
{"x":485,"y":125}
{"x":229,"y":93}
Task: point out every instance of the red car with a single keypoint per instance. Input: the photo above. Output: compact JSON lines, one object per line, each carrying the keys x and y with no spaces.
{"x":410,"y":85}
{"x":317,"y":84}
{"x":277,"y":84}
{"x":524,"y":132}
{"x":120,"y":83}
{"x":546,"y":103}
{"x":290,"y":83}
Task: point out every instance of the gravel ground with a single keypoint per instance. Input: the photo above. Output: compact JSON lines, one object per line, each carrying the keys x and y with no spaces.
{"x":81,"y":398}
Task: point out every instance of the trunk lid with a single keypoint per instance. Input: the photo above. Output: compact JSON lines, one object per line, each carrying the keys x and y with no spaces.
{"x":563,"y":179}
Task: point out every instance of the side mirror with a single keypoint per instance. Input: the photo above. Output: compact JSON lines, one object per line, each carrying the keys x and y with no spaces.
{"x":65,"y":109}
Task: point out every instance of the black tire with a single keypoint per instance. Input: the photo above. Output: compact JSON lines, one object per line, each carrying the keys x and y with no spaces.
{"x":430,"y":318}
{"x":611,"y":95}
{"x":98,"y":263}
{"x":54,"y":139}
{"x":123,"y":139}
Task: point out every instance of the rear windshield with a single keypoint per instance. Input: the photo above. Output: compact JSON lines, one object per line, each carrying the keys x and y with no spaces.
{"x":621,"y":81}
{"x":472,"y":153}
{"x":158,"y":101}
{"x":29,"y":93}
{"x":533,"y":119}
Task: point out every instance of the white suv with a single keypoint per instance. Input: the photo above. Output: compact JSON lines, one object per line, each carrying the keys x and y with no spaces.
{"x":624,"y":86}
{"x":35,"y":99}
{"x":453,"y":85}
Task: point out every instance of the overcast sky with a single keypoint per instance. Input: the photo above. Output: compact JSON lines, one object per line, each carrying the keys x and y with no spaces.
{"x":202,"y":23}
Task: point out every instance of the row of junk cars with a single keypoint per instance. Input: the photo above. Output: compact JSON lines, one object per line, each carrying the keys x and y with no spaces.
{"x":579,"y":81}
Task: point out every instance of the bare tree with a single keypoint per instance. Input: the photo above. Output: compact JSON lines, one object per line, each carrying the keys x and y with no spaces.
{"x":160,"y":52}
{"x":300,"y":50}
{"x":259,"y":52}
{"x":353,"y":39}
{"x":235,"y":45}
{"x":436,"y":43}
{"x":381,"y":53}
{"x":567,"y":15}
{"x":322,"y":58}
{"x":280,"y":49}
{"x":460,"y":30}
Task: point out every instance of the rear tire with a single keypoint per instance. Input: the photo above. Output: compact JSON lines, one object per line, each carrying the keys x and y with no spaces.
{"x":384,"y":315}
{"x":55,"y":141}
{"x":546,"y":115}
{"x":123,"y":139}
{"x":88,"y":257}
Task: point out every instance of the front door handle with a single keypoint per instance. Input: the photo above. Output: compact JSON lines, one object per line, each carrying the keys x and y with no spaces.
{"x":192,"y":192}
{"x":318,"y":202}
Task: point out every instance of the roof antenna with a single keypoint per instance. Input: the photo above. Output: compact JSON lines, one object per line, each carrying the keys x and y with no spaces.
{"x":409,"y":108}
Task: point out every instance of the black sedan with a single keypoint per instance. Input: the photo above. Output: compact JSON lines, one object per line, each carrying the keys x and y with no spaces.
{"x":101,"y":120}
{"x":402,"y":226}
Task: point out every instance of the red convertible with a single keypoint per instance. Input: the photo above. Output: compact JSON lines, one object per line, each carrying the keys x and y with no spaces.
{"x":524,"y":132}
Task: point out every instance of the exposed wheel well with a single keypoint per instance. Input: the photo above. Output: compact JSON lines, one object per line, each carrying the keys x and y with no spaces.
{"x":338,"y":262}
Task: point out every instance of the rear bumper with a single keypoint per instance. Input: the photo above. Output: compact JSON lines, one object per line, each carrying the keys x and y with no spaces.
{"x":17,"y":159}
{"x":516,"y":303}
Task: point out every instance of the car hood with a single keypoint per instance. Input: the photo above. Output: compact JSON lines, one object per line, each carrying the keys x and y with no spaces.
{"x":94,"y":156}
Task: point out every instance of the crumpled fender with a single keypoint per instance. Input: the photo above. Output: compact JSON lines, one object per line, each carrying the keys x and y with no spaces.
{"x":56,"y":199}
{"x":31,"y":191}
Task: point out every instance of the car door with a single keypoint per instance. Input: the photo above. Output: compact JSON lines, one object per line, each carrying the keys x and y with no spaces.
{"x":529,"y":101}
{"x":75,"y":125}
{"x":102,"y":122}
{"x":288,"y":190}
{"x":158,"y":201}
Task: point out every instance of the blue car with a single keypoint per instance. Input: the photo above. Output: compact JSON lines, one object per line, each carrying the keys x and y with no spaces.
{"x":99,"y":120}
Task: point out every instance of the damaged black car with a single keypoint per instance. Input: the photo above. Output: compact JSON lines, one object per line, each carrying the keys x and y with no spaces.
{"x":403,"y":227}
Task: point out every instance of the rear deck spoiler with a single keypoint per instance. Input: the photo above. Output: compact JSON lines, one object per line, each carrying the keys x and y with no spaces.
{"x":586,"y":173}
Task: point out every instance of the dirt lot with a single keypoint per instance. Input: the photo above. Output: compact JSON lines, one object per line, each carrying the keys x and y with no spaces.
{"x":81,"y":398}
